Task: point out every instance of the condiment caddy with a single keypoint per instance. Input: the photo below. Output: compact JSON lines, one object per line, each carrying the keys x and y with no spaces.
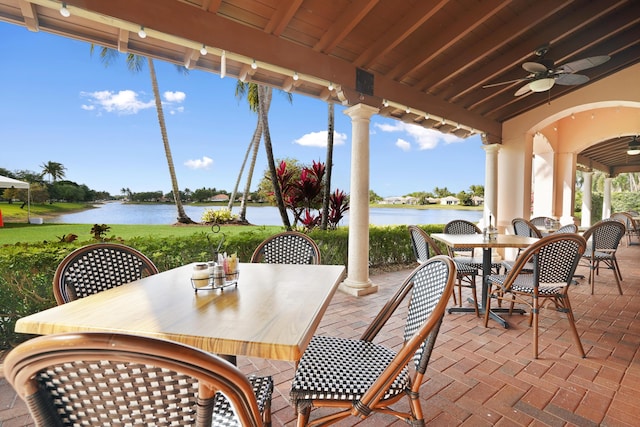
{"x":215,"y":274}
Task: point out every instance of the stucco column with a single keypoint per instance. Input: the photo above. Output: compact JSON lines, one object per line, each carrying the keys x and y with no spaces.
{"x":544,"y":184}
{"x":586,"y":199}
{"x":565,"y":187}
{"x":357,"y":282}
{"x":606,"y":203}
{"x":491,"y":184}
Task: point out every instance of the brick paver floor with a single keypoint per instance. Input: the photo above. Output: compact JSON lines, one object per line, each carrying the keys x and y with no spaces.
{"x":486,"y":376}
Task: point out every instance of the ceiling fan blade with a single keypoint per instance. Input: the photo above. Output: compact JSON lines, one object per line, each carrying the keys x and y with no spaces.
{"x":505,"y":82}
{"x":524,"y":89}
{"x":534,"y":67}
{"x":571,"y":79}
{"x":583,"y":64}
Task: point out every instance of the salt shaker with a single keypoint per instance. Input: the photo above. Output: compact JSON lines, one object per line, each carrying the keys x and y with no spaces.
{"x":200,"y":275}
{"x":218,"y":275}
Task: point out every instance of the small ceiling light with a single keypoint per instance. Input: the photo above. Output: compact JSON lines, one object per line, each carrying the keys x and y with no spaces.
{"x":64,"y":11}
{"x":295,"y":76}
{"x":573,"y":116}
{"x":426,"y":116}
{"x":142,"y":33}
{"x":444,"y":122}
{"x":541,"y":85}
{"x":330,"y":87}
{"x":203,"y":50}
{"x":223,"y":64}
{"x":254,"y":65}
{"x":634,"y":147}
{"x":385,"y":102}
{"x":458,"y":126}
{"x":408,"y":110}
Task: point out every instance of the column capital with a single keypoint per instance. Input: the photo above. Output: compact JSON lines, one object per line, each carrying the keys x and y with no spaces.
{"x":361,"y":111}
{"x":491,"y":148}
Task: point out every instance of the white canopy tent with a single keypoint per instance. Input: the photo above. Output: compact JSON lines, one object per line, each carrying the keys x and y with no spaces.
{"x":6,"y":182}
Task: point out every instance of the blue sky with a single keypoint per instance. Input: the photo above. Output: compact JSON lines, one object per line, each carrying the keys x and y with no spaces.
{"x":61,"y":104}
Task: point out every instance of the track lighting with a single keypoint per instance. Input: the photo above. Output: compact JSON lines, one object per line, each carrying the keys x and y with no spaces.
{"x":142,"y":33}
{"x":254,"y":65}
{"x":295,"y":76}
{"x":385,"y":103}
{"x":64,"y":11}
{"x":330,"y":87}
{"x":203,"y":50}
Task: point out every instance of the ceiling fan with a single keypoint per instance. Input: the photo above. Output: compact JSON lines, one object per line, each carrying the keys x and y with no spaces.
{"x":543,"y":74}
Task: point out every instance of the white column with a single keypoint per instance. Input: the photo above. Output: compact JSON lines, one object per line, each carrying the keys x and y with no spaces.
{"x":565,"y":187}
{"x":543,"y":183}
{"x":357,"y":282}
{"x":586,"y":199}
{"x":606,"y":203}
{"x":491,"y":183}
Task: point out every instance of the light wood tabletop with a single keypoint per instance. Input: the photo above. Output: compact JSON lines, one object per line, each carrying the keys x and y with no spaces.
{"x":272,"y":313}
{"x":458,"y":241}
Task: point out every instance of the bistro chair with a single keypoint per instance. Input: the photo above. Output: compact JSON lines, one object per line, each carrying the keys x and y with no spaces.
{"x":542,"y":221}
{"x":94,"y":378}
{"x":359,"y":377}
{"x":521,"y":227}
{"x":466,"y":256}
{"x":98,"y":267}
{"x":289,"y":247}
{"x":568,"y":228}
{"x":554,"y":259}
{"x":424,"y":247}
{"x":630,"y":224}
{"x":603,"y":239}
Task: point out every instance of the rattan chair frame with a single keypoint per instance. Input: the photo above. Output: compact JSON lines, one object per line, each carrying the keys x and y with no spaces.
{"x":424,"y":247}
{"x":631,"y":228}
{"x":97,"y":267}
{"x":554,"y":260}
{"x":288,"y":247}
{"x":428,"y":289}
{"x":521,"y":227}
{"x":96,"y":378}
{"x":603,"y":239}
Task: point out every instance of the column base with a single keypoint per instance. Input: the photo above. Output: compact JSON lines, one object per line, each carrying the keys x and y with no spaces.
{"x":357,"y":289}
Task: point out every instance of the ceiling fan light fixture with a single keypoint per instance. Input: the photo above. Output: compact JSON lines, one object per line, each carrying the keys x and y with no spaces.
{"x":541,"y":85}
{"x":634,"y":147}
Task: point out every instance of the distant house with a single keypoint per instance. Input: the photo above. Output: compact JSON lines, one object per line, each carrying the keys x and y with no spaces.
{"x":477,"y":200}
{"x":399,"y":200}
{"x":449,"y":200}
{"x":220,"y":198}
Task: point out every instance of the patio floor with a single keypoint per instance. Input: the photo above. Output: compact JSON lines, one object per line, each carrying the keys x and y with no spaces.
{"x":486,"y":376}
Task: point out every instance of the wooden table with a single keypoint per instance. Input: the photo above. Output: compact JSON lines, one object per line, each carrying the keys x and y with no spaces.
{"x":272,"y":313}
{"x":458,"y":241}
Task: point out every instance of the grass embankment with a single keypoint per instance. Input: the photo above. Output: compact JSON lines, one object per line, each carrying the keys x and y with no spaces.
{"x":16,"y":212}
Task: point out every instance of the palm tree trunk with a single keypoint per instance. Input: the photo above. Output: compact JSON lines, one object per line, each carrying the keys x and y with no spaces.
{"x":264,"y":94}
{"x":244,"y":162}
{"x":257,"y":135}
{"x":182,"y":216}
{"x":329,"y":165}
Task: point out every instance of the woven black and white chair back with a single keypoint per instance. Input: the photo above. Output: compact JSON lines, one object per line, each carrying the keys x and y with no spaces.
{"x":98,"y":267}
{"x":290,"y":247}
{"x":461,"y":226}
{"x":429,"y":283}
{"x":522,"y":227}
{"x":568,"y":228}
{"x":605,"y":235}
{"x":423,"y":249}
{"x":541,"y":221}
{"x":556,"y":261}
{"x":100,"y":379}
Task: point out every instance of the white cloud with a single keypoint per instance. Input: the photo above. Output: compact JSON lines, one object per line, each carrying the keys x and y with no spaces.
{"x":203,"y":163}
{"x":426,"y":139}
{"x":122,"y":102}
{"x":175,"y":96}
{"x":319,"y":139}
{"x":403,"y":144}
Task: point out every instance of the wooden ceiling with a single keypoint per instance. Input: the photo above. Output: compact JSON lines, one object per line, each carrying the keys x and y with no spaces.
{"x":423,"y":62}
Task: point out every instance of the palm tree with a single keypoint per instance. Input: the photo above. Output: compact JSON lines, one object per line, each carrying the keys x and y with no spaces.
{"x":55,"y":170}
{"x":327,"y":184}
{"x":251,"y":90}
{"x":264,"y":97}
{"x":134,"y":63}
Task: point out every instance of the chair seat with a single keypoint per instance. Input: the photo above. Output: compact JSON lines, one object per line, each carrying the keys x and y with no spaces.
{"x":350,"y":366}
{"x":475,"y":262}
{"x":223,"y":414}
{"x":597,"y":254}
{"x":464,"y":268}
{"x":524,"y":283}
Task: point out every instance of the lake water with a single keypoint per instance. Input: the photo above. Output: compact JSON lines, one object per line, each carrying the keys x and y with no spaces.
{"x":120,"y":213}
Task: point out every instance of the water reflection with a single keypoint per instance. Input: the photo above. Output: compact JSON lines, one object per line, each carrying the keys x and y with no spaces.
{"x":120,"y":213}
